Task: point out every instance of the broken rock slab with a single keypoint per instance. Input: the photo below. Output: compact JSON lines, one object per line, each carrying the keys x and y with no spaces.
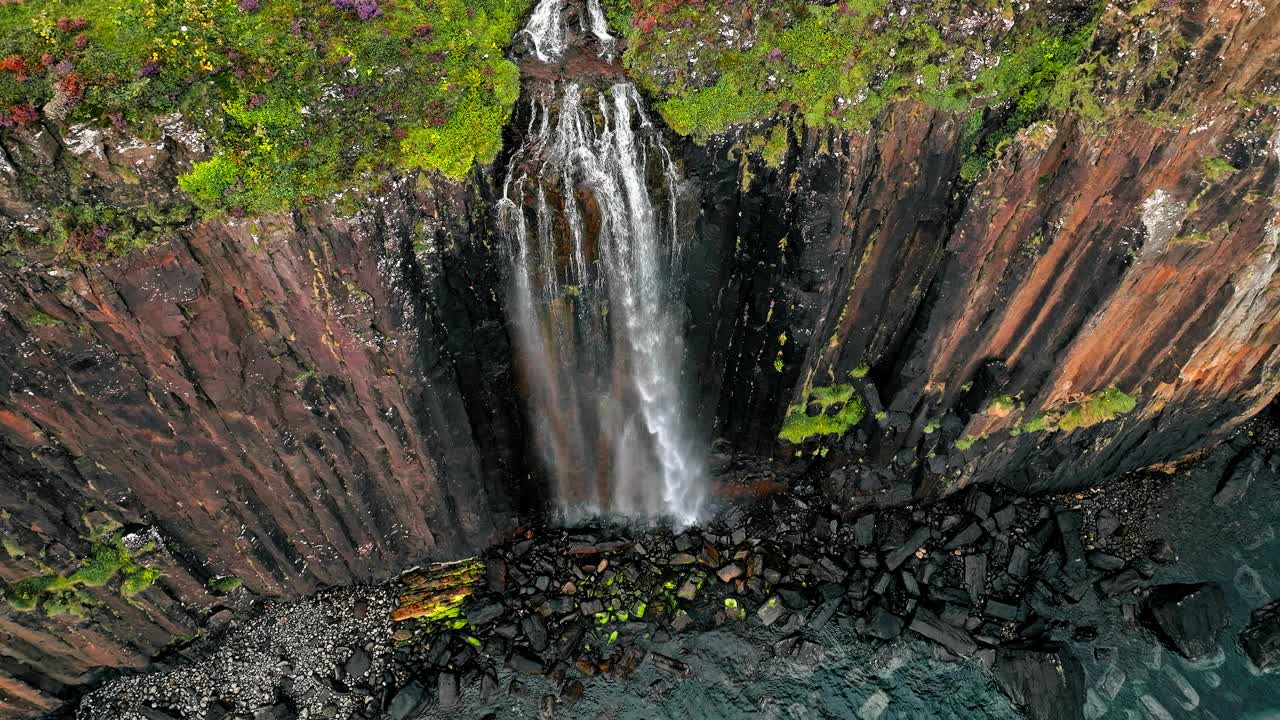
{"x":952,"y":638}
{"x":1261,"y":637}
{"x":1188,"y":617}
{"x":1046,"y":683}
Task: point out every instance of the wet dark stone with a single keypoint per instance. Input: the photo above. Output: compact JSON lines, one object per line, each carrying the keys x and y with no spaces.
{"x":1046,"y":683}
{"x":1107,"y":525}
{"x":1105,"y":561}
{"x":357,"y":665}
{"x":1000,"y":610}
{"x":975,"y":576}
{"x":536,"y":631}
{"x":1019,"y":561}
{"x":967,"y":536}
{"x":823,"y":614}
{"x":1121,"y":582}
{"x":932,"y":627}
{"x":407,"y":701}
{"x":1187,"y":617}
{"x":907,"y":549}
{"x":1261,"y":637}
{"x":523,"y":661}
{"x":447,"y":689}
{"x":793,"y":598}
{"x":495,"y":574}
{"x":1236,"y":482}
{"x":978,"y":503}
{"x":485,"y":614}
{"x":1162,"y":552}
{"x":488,"y":687}
{"x":883,"y":624}
{"x":1069,"y":527}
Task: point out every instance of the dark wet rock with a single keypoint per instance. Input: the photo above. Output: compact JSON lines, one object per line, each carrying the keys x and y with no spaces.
{"x":770,"y":611}
{"x":591,"y":607}
{"x":979,"y":503}
{"x":669,"y":665}
{"x":548,"y":707}
{"x":1000,"y":610}
{"x":1047,"y":683}
{"x":975,"y":576}
{"x":932,"y":627}
{"x":1106,"y":524}
{"x":523,"y":661}
{"x":536,"y":631}
{"x":485,"y":614}
{"x":899,"y":555}
{"x":407,"y":701}
{"x":1188,"y":617}
{"x":1069,"y":523}
{"x":1236,"y":482}
{"x":1104,"y":561}
{"x":1261,"y":637}
{"x":447,"y":689}
{"x":1162,"y":552}
{"x":883,"y":624}
{"x":970,"y":534}
{"x":488,"y":687}
{"x":1019,"y":561}
{"x":495,"y":574}
{"x":682,"y":558}
{"x":572,"y":692}
{"x":823,"y":614}
{"x":1121,"y":582}
{"x":357,"y":665}
{"x":793,"y":598}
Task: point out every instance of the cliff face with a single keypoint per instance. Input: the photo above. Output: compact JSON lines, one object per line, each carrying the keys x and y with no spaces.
{"x":1136,"y":254}
{"x":296,"y":400}
{"x":324,"y":397}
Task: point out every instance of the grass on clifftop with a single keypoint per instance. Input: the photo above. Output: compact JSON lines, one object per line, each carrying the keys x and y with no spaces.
{"x":300,"y":97}
{"x":714,"y":64}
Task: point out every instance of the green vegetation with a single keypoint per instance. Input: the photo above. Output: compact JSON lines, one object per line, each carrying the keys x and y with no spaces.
{"x":39,"y":319}
{"x":108,"y":557}
{"x":224,"y":584}
{"x":300,"y":97}
{"x":1106,"y":405}
{"x":1217,"y":169}
{"x":799,"y":426}
{"x":841,"y":65}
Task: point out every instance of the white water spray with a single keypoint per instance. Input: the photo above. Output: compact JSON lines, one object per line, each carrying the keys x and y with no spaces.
{"x":590,"y":212}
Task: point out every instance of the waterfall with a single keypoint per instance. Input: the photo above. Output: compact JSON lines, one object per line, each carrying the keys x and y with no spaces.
{"x":589,"y":213}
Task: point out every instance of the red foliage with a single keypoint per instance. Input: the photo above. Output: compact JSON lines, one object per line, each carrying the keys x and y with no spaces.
{"x":72,"y":86}
{"x":18,"y":115}
{"x":14,"y":64}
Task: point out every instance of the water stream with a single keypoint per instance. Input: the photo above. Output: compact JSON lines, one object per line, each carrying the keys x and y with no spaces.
{"x":590,"y":215}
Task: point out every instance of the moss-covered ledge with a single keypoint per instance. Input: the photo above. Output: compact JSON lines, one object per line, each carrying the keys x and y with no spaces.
{"x":298,"y":97}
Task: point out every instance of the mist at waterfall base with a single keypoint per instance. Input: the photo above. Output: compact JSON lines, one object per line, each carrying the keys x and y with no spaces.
{"x":590,"y":216}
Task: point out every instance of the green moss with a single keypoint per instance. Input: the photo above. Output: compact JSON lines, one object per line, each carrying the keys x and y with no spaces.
{"x":799,"y":426}
{"x":300,"y":98}
{"x":932,"y":426}
{"x":968,"y":441}
{"x":138,"y":580}
{"x":842,"y":64}
{"x":23,"y":595}
{"x":860,"y":372}
{"x":73,"y":603}
{"x":1106,"y":405}
{"x":39,"y":319}
{"x":224,"y":584}
{"x":108,"y":557}
{"x":12,"y":549}
{"x":1217,"y":169}
{"x":1002,"y":405}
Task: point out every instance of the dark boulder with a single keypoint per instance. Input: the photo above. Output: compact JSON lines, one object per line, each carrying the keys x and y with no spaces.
{"x":1187,"y":617}
{"x":407,"y":701}
{"x":1046,"y":683}
{"x":1261,"y":638}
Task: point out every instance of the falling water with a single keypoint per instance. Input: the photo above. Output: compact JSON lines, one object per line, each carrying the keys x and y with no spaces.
{"x":589,"y":210}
